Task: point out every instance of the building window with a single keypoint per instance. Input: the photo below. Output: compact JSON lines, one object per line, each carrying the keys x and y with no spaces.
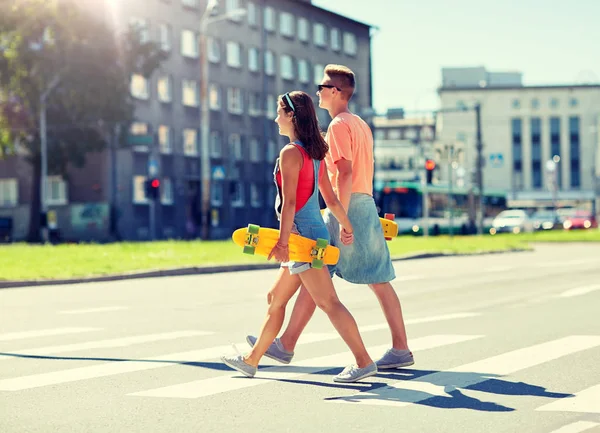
{"x":272,"y":150}
{"x":190,"y":142}
{"x":164,"y":139}
{"x":516,"y":103}
{"x":215,"y":144}
{"x":573,"y":102}
{"x":286,"y":24}
{"x":287,"y":67}
{"x":56,"y":188}
{"x":164,"y":89}
{"x":235,"y":102}
{"x":255,"y":195}
{"x":535,"y":103}
{"x":233,"y":54}
{"x":231,"y":6}
{"x":271,"y":106}
{"x":554,"y":103}
{"x":252,"y":14}
{"x":139,"y":191}
{"x":214,"y":50}
{"x":517,"y":153}
{"x":164,"y":36}
{"x":190,"y":3}
{"x":253,"y":59}
{"x":303,"y":29}
{"x":575,"y":149}
{"x":350,"y":46}
{"x":254,"y":150}
{"x":303,"y":74}
{"x":237,"y":194}
{"x":166,"y":191}
{"x":190,"y":93}
{"x":318,"y":73}
{"x":555,"y":144}
{"x":536,"y":152}
{"x":254,"y":106}
{"x":235,"y":147}
{"x":394,"y":134}
{"x":189,"y":44}
{"x":9,"y":193}
{"x":140,"y":26}
{"x":214,"y":97}
{"x":269,"y":63}
{"x":139,"y":87}
{"x":319,"y":38}
{"x":336,"y":43}
{"x":138,"y":128}
{"x":216,"y":193}
{"x":269,"y":19}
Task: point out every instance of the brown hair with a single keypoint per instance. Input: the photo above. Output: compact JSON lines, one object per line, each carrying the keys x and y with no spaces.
{"x":305,"y":122}
{"x":343,"y":77}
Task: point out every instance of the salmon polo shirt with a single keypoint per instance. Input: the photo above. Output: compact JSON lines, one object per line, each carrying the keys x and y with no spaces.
{"x":349,"y":137}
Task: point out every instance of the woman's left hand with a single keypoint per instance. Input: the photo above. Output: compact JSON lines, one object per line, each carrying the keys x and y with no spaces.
{"x":346,"y":237}
{"x":280,"y":252}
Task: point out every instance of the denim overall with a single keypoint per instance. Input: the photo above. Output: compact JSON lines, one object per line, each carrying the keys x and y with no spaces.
{"x":308,"y":221}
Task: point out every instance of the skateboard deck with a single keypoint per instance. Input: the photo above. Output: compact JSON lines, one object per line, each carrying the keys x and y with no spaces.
{"x":260,"y":240}
{"x":388,"y":225}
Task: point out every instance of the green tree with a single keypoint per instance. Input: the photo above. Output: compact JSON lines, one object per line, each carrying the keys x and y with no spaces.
{"x":65,"y":49}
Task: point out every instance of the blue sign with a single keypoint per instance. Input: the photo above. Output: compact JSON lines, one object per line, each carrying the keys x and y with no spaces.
{"x":218,"y":172}
{"x":152,"y":167}
{"x":496,"y":160}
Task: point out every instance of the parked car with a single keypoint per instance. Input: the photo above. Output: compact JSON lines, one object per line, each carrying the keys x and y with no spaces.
{"x":511,"y":221}
{"x":545,"y":220}
{"x":580,"y":219}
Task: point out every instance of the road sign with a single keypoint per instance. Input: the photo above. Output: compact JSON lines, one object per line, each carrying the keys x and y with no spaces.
{"x":140,"y":140}
{"x":496,"y":160}
{"x":218,"y":172}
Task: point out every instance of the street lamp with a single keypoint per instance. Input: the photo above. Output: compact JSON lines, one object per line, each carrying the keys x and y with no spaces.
{"x":552,"y":168}
{"x":205,"y":21}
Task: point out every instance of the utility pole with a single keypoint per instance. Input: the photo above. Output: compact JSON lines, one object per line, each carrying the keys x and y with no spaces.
{"x":424,"y":192}
{"x":114,"y":231}
{"x":479,"y":146}
{"x":205,"y":124}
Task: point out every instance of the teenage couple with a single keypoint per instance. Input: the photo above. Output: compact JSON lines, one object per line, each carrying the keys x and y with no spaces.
{"x":340,"y":166}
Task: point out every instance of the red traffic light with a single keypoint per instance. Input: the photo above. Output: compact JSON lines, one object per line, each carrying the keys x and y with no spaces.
{"x":155,"y":183}
{"x":430,"y":165}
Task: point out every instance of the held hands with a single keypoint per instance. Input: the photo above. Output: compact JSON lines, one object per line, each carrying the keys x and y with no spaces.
{"x":280,"y":252}
{"x":347,"y":237}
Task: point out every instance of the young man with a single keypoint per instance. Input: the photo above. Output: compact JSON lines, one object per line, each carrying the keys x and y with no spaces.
{"x":350,"y":164}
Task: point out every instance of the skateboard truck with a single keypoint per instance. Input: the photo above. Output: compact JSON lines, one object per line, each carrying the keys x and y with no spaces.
{"x":251,"y":240}
{"x":317,"y":253}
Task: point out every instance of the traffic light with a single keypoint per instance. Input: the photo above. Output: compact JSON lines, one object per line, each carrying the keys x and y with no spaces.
{"x":152,"y":187}
{"x":429,"y":168}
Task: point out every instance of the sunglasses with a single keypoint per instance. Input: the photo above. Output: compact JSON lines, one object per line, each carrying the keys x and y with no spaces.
{"x":328,"y":86}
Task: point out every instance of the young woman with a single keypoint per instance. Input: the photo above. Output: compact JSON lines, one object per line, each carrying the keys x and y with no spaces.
{"x":299,"y":175}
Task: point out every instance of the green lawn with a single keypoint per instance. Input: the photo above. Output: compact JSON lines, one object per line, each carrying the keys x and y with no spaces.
{"x":31,"y":262}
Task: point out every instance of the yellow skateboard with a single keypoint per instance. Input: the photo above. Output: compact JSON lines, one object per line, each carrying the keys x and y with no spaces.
{"x":260,"y":240}
{"x":388,"y":225}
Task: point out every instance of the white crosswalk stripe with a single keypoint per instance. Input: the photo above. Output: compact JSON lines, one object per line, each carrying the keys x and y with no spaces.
{"x":407,"y":392}
{"x":587,"y":401}
{"x":12,"y":336}
{"x":216,"y":385}
{"x":104,"y":344}
{"x":577,"y":427}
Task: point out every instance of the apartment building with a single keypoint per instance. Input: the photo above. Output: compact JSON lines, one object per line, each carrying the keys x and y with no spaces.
{"x":276,"y":46}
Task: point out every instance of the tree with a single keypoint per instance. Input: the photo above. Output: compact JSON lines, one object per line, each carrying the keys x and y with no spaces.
{"x":62,"y":49}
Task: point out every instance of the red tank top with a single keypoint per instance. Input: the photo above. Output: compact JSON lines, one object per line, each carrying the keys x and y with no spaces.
{"x":305,"y":178}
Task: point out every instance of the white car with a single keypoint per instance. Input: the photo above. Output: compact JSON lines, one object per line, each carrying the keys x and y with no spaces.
{"x":511,"y":221}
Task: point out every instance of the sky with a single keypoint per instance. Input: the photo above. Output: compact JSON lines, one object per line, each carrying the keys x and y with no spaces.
{"x":549,"y":41}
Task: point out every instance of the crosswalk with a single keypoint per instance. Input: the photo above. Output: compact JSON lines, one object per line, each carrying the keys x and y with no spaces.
{"x":413,"y":389}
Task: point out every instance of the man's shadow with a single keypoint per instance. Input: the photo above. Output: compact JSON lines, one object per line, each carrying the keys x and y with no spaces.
{"x":443,"y":390}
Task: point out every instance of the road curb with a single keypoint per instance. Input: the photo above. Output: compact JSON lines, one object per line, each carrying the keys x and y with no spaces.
{"x":200,"y":270}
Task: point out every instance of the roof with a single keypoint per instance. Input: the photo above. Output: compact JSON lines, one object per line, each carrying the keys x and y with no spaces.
{"x":540,"y":87}
{"x":339,"y":15}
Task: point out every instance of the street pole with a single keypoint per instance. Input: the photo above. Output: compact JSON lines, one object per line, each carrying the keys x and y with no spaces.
{"x":204,"y":128}
{"x":44,"y":170}
{"x":113,"y":182}
{"x":480,"y":211}
{"x":424,"y":192}
{"x":450,"y":191}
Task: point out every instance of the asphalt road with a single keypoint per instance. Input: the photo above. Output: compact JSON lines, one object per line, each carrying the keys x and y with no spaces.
{"x":502,"y":343}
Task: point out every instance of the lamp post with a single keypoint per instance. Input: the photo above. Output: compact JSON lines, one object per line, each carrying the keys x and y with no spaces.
{"x":205,"y":21}
{"x":552,"y":168}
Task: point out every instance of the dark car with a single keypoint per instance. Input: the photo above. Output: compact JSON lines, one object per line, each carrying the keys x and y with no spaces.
{"x":545,"y":220}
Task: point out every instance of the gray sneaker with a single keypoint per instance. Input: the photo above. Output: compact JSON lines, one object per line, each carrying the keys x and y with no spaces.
{"x":395,"y":358}
{"x":353,"y":374}
{"x":237,"y":363}
{"x":275,"y":351}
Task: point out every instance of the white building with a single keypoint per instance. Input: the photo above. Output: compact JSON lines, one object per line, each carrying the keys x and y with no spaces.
{"x":524,"y":127}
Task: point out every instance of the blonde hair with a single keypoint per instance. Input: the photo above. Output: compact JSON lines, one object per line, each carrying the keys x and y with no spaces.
{"x":344,"y":77}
